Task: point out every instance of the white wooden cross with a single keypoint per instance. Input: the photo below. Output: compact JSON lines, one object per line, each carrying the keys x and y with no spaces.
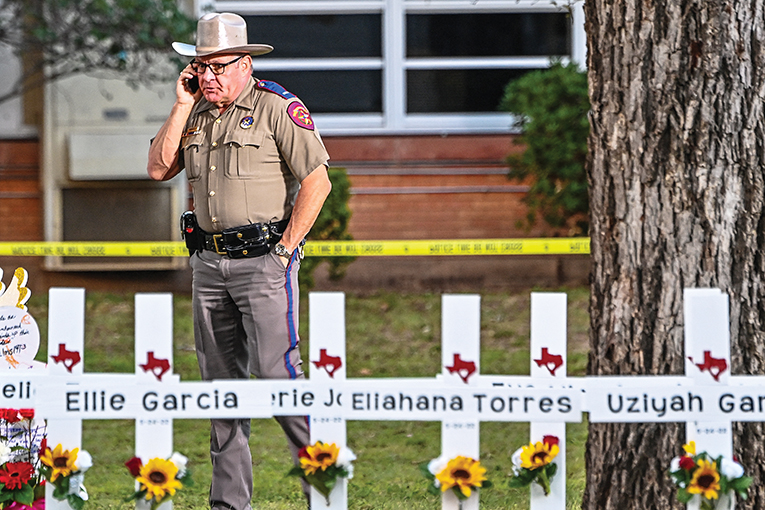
{"x":460,"y":369}
{"x":470,"y":398}
{"x":708,"y":399}
{"x":548,"y":367}
{"x":66,"y":335}
{"x":327,"y":355}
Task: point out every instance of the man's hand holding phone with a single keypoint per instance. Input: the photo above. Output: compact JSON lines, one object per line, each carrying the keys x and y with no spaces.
{"x":187,"y":88}
{"x":193,"y":84}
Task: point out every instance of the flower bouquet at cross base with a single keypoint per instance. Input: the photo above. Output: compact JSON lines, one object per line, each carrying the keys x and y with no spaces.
{"x":159,"y":478}
{"x":534,"y":464}
{"x":462,"y":475}
{"x":321,"y":464}
{"x":65,"y":470}
{"x":22,"y":439}
{"x":699,"y":475}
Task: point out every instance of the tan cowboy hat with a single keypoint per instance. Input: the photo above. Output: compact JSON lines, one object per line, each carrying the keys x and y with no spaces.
{"x":221,"y":33}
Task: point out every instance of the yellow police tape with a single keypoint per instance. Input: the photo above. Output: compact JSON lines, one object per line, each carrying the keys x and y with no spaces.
{"x":546,"y":246}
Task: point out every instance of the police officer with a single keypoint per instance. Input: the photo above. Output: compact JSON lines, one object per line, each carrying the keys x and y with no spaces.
{"x":258,"y":172}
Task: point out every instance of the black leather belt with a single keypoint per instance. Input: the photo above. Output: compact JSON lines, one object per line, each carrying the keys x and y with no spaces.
{"x":251,"y":240}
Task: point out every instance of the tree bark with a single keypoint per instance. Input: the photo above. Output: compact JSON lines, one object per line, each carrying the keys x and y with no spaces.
{"x":677,"y":154}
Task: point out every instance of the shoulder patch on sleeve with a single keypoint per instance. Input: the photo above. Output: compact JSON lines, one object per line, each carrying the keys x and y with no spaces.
{"x":299,"y":115}
{"x":274,"y":87}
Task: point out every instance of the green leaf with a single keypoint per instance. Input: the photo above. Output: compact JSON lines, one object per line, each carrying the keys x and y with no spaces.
{"x":426,"y":472}
{"x":683,"y":496}
{"x":740,"y":484}
{"x":550,"y":470}
{"x":457,"y":492}
{"x":25,"y":495}
{"x":517,"y":483}
{"x":75,"y":501}
{"x":60,"y":491}
{"x":296,"y":471}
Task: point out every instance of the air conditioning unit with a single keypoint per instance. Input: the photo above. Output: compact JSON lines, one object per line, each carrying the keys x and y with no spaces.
{"x":96,"y":139}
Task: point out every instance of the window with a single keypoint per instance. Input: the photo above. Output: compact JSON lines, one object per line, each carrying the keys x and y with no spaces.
{"x":457,"y":90}
{"x":487,"y":34}
{"x":407,"y":66}
{"x":318,"y":36}
{"x":341,"y":38}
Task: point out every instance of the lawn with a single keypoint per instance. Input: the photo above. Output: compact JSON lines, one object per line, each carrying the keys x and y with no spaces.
{"x":388,"y":335}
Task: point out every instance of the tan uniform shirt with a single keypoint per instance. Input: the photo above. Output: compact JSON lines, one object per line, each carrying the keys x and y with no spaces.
{"x":246,"y":164}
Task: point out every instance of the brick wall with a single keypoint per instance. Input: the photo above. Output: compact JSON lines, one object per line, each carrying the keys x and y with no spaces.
{"x":432,"y":187}
{"x":20,"y":194}
{"x":403,"y":187}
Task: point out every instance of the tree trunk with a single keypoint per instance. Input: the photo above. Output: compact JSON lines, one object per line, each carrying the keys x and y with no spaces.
{"x":677,"y":154}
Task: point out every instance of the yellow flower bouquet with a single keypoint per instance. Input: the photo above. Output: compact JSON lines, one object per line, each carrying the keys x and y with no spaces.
{"x":698,"y":475}
{"x":462,"y":475}
{"x":534,"y":464}
{"x":65,"y":470}
{"x":159,"y":478}
{"x":321,"y":464}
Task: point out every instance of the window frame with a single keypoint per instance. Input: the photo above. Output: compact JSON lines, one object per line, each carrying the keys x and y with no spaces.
{"x":394,"y":63}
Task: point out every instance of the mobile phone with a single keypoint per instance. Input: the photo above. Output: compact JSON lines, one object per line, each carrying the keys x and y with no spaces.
{"x":193,"y":84}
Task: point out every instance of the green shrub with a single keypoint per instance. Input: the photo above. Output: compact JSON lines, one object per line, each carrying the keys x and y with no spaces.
{"x":551,"y":106}
{"x":332,"y":224}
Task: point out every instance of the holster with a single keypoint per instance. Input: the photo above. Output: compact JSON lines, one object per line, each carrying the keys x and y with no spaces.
{"x":191,"y":233}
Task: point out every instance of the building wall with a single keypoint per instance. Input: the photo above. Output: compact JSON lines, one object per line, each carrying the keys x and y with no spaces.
{"x":432,"y":187}
{"x":421,"y":187}
{"x":426,"y":187}
{"x":20,"y":195}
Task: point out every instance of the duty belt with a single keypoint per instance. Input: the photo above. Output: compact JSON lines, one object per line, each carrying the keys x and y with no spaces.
{"x":251,"y":240}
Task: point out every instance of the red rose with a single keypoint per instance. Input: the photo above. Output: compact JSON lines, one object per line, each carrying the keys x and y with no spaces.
{"x":687,"y":463}
{"x":27,"y":414}
{"x":9,"y":415}
{"x":550,"y":441}
{"x":134,"y":465}
{"x":12,"y":416}
{"x":303,"y":453}
{"x":43,"y":446}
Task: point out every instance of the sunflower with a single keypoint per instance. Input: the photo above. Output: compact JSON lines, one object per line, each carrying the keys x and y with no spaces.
{"x":60,"y":461}
{"x":157,"y":478}
{"x":706,"y":480}
{"x":463,"y":473}
{"x":538,"y":455}
{"x":319,"y":456}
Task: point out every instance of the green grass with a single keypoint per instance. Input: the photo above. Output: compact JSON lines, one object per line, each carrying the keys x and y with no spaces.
{"x":388,"y":335}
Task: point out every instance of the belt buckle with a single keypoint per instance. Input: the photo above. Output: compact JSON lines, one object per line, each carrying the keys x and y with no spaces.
{"x":219,"y":251}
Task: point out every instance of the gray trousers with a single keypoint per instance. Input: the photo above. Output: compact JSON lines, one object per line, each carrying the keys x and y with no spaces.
{"x":245,"y":322}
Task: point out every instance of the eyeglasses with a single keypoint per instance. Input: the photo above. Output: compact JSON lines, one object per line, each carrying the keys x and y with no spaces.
{"x":216,"y":68}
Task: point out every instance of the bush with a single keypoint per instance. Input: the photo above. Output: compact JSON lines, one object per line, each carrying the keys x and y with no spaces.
{"x":551,"y":106}
{"x":332,"y":224}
